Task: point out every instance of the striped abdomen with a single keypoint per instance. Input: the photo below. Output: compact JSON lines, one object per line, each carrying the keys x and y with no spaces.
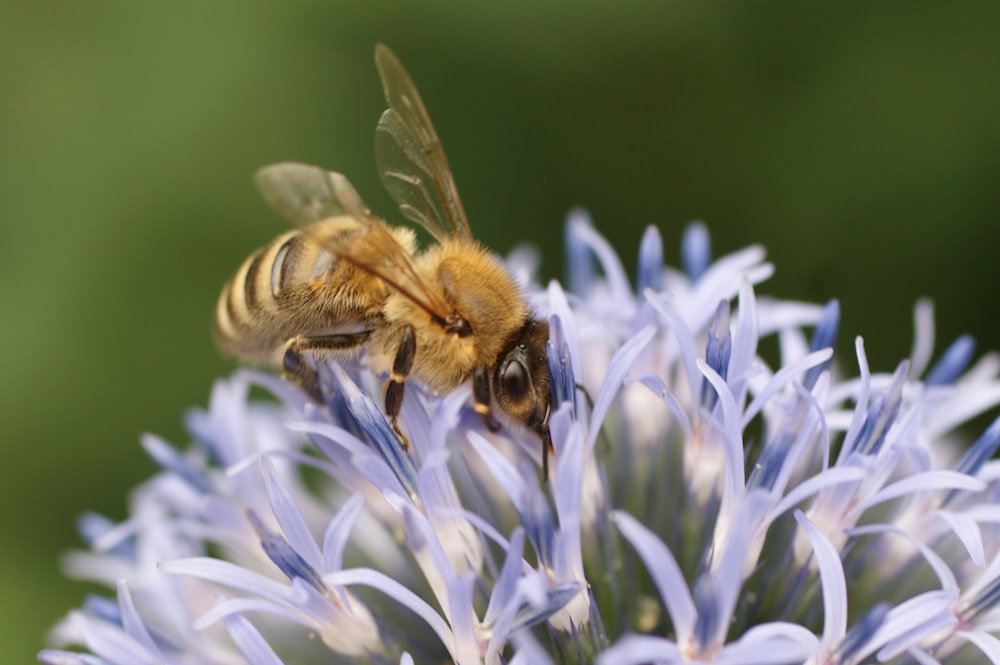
{"x":291,"y":287}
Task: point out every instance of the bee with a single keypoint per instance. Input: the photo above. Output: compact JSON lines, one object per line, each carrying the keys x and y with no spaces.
{"x":343,"y":282}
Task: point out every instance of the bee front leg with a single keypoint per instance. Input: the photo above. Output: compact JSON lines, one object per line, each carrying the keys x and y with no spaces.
{"x":296,"y":367}
{"x":481,"y":397}
{"x":401,"y":366}
{"x":542,"y":429}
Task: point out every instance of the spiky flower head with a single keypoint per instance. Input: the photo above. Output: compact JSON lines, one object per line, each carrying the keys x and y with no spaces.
{"x":710,"y":504}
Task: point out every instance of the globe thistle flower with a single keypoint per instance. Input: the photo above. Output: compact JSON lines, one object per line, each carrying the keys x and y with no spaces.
{"x":707,"y":502}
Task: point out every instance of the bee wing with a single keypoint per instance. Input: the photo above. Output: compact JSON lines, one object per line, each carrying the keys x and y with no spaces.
{"x":304,"y":194}
{"x":410,"y":159}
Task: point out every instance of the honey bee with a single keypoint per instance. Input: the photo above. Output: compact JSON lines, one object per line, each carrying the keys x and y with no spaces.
{"x":344,"y":282}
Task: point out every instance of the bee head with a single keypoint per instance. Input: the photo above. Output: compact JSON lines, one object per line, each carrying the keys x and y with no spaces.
{"x":521,"y":383}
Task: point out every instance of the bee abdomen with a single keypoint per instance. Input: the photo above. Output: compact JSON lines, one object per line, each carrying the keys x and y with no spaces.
{"x":297,"y":287}
{"x":271,"y":299}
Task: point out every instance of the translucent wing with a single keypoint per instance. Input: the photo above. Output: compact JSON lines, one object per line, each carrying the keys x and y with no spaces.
{"x":305,"y":194}
{"x":410,"y":159}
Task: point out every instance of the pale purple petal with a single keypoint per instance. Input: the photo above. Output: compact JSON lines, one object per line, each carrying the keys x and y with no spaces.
{"x":771,"y":634}
{"x":952,"y":362}
{"x":794,"y":439}
{"x":913,"y":620}
{"x":564,"y":388}
{"x":988,"y":644}
{"x":579,"y":259}
{"x":829,"y":478}
{"x":293,"y":525}
{"x":781,"y":380}
{"x":132,"y":623}
{"x":980,"y":452}
{"x":503,"y":471}
{"x":732,"y":434}
{"x":611,"y":265}
{"x":505,"y":587}
{"x":56,"y":657}
{"x":549,"y":602}
{"x":834,"y":586}
{"x":444,"y":417}
{"x":728,"y":568}
{"x":380,"y":434}
{"x":861,"y":400}
{"x":617,"y":368}
{"x":882,"y":413}
{"x":824,"y":337}
{"x":966,"y":402}
{"x":650,"y":269}
{"x":923,"y":338}
{"x":659,"y":388}
{"x":527,"y":651}
{"x":568,"y":556}
{"x":922,"y":657}
{"x":559,"y":307}
{"x":345,"y":449}
{"x":744,"y":346}
{"x":223,"y":609}
{"x":337,"y":533}
{"x":461,"y":614}
{"x":283,"y":555}
{"x":227,"y":574}
{"x":860,"y":638}
{"x":770,"y":644}
{"x":664,"y":571}
{"x":682,"y":335}
{"x":399,"y":593}
{"x":641,"y":650}
{"x":168,"y":458}
{"x":944,"y":574}
{"x":722,"y":281}
{"x":966,"y":530}
{"x":250,"y":642}
{"x":430,"y":555}
{"x":924,"y":482}
{"x":440,"y":501}
{"x":696,"y":250}
{"x":114,"y":645}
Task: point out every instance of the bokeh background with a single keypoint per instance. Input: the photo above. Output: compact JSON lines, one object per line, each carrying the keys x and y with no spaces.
{"x":860,"y":145}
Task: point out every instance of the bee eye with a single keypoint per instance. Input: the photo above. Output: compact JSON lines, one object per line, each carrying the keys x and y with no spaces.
{"x":515,"y":381}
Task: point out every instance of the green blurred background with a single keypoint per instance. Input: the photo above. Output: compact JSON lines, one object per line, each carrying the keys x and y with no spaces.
{"x":861,"y":145}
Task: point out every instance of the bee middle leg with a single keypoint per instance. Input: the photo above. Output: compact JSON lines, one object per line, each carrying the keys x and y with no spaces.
{"x":402,"y":363}
{"x":304,"y":374}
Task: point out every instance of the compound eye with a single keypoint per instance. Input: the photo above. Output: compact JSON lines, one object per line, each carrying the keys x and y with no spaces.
{"x":515,"y":381}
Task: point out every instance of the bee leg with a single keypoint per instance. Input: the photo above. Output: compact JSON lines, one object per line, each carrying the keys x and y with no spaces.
{"x":546,"y":450}
{"x":401,"y":366}
{"x":481,"y":397}
{"x":297,"y":369}
{"x":303,"y":373}
{"x":542,"y":429}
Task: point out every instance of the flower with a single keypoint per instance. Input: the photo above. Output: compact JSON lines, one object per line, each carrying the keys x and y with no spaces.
{"x":712,"y":502}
